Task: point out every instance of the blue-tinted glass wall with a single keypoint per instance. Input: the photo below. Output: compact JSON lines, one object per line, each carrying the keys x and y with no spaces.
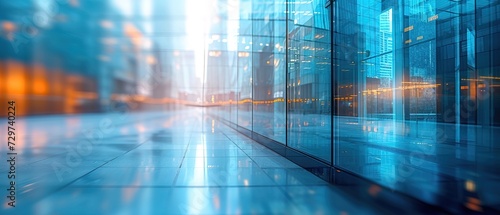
{"x":43,"y":49}
{"x":309,"y":90}
{"x":413,"y":79}
{"x":268,"y":57}
{"x":283,"y":74}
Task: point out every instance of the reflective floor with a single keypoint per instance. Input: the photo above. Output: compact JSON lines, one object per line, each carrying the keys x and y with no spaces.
{"x":180,"y":162}
{"x":438,"y":163}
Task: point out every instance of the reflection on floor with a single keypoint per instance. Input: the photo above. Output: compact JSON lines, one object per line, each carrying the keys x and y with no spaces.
{"x":159,"y":163}
{"x":428,"y":160}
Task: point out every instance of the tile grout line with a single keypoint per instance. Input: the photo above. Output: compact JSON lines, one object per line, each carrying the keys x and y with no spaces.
{"x":182,"y":161}
{"x":56,"y":190}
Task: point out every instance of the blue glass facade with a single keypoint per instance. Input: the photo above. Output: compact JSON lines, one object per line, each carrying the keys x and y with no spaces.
{"x":397,"y":92}
{"x":415,"y":86}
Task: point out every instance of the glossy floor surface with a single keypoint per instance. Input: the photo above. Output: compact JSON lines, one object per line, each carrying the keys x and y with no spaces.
{"x":453,"y":166}
{"x":180,"y":162}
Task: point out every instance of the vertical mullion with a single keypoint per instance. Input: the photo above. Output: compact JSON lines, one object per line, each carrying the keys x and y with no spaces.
{"x":332,"y":83}
{"x":286,"y":70}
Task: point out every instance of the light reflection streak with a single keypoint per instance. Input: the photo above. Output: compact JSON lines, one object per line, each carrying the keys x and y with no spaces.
{"x":199,"y":175}
{"x":197,"y":25}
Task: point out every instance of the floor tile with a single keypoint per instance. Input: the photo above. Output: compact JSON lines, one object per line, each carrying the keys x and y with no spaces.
{"x":138,"y":176}
{"x":252,"y":176}
{"x":218,"y":162}
{"x":274,"y":162}
{"x":293,"y":176}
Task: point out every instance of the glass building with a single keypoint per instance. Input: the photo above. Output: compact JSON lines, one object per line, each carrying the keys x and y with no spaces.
{"x":401,"y":93}
{"x":388,"y":96}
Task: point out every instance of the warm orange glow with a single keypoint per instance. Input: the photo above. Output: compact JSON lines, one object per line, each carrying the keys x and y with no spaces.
{"x":432,"y":18}
{"x":8,"y":26}
{"x":473,"y":91}
{"x":40,"y":84}
{"x":407,"y":87}
{"x":474,"y":200}
{"x":85,"y":95}
{"x":149,"y":100}
{"x":474,"y":204}
{"x":409,"y":28}
{"x":473,"y":207}
{"x":214,"y":53}
{"x":243,"y":54}
{"x":16,"y":78}
{"x":133,"y":33}
{"x":2,"y":78}
{"x":57,"y":82}
{"x":15,"y":85}
{"x":470,"y":186}
{"x":489,"y":77}
{"x":139,"y":98}
{"x":151,"y":60}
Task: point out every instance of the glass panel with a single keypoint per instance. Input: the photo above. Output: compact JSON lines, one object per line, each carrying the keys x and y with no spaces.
{"x":309,"y":79}
{"x":245,"y":48}
{"x":269,"y":28}
{"x":414,"y":94}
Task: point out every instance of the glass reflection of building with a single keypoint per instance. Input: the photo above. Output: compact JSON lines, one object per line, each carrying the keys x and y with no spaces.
{"x":220,"y":58}
{"x":52,"y":67}
{"x":309,"y":94}
{"x":373,"y":88}
{"x":268,"y":55}
{"x":414,"y":72}
{"x":409,"y":76}
{"x":38,"y":58}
